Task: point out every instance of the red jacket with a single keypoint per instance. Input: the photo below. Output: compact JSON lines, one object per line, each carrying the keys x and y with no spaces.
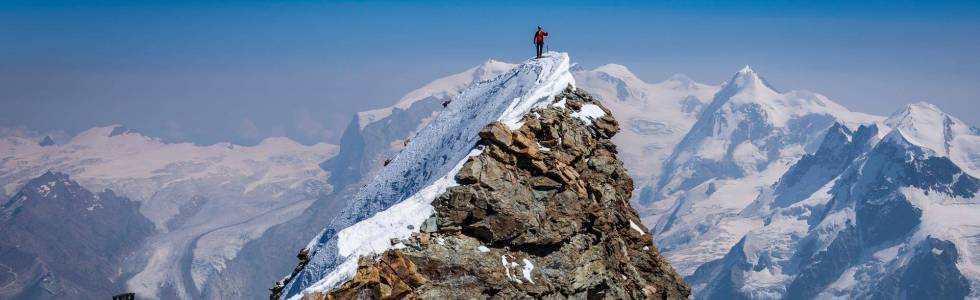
{"x":539,"y":36}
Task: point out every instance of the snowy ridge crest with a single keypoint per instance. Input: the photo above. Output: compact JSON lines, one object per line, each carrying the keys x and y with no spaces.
{"x":442,"y":88}
{"x":423,"y":170}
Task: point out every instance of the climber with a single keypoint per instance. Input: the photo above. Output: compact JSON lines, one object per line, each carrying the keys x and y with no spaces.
{"x":539,"y":40}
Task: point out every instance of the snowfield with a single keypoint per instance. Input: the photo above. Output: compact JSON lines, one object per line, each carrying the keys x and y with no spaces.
{"x":206,"y":201}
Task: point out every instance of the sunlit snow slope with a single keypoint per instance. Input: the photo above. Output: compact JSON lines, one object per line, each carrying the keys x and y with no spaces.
{"x":399,"y":196}
{"x":377,"y":134}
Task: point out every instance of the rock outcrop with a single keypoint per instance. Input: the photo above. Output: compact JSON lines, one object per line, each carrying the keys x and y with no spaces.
{"x":542,"y":212}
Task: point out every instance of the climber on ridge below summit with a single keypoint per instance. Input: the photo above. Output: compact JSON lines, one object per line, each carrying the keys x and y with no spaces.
{"x":539,"y":40}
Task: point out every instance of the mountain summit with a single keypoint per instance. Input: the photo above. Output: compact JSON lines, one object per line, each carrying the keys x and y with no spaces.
{"x":924,"y":124}
{"x":514,"y":190}
{"x":747,"y":79}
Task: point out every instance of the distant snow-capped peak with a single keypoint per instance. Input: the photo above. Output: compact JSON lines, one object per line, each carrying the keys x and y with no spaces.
{"x":749,"y":87}
{"x":490,"y":69}
{"x":617,"y":71}
{"x":925,"y":125}
{"x":748,"y":80}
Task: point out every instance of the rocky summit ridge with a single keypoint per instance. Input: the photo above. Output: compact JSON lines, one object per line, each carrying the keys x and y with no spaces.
{"x":541,"y":212}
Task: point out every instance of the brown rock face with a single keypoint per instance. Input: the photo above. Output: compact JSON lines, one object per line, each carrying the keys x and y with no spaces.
{"x":542,"y":213}
{"x":394,"y":276}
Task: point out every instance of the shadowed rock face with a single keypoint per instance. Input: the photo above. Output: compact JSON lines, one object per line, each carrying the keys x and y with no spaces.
{"x":930,"y":274}
{"x":542,"y":212}
{"x":62,"y":241}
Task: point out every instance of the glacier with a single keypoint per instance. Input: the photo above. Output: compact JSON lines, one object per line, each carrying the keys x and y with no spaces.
{"x":206,"y":202}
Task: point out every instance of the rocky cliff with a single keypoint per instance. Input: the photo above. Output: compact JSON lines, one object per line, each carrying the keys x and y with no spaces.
{"x":541,"y":212}
{"x":62,"y":241}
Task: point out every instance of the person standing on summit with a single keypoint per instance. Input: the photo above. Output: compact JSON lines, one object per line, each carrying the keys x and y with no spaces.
{"x":539,"y":40}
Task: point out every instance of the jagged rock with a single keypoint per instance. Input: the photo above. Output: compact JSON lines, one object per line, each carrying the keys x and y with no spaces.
{"x":575,"y":105}
{"x":497,"y":133}
{"x":470,"y":172}
{"x":394,"y":276}
{"x":544,"y":183}
{"x":540,"y":166}
{"x":607,"y":125}
{"x":500,"y":154}
{"x":525,"y":223}
{"x":524,"y":146}
{"x":430,"y":225}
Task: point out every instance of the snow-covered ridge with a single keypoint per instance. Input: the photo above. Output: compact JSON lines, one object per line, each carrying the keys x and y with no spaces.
{"x":442,"y":88}
{"x":432,"y":156}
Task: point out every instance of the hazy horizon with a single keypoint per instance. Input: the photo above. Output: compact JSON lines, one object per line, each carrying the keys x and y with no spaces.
{"x":240,"y":72}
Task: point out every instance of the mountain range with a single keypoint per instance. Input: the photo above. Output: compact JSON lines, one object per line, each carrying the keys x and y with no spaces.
{"x":749,"y":192}
{"x":205,"y":203}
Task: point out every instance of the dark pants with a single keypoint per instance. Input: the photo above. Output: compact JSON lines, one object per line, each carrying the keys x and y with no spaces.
{"x":540,"y":47}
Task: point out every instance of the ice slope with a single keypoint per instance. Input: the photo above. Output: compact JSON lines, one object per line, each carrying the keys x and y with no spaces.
{"x":740,"y":145}
{"x":421,"y":170}
{"x":442,"y":89}
{"x":205,"y":201}
{"x":898,"y":220}
{"x":376,"y":135}
{"x":655,"y":117}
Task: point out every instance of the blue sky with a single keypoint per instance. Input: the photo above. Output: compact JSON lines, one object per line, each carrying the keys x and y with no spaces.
{"x":240,"y":71}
